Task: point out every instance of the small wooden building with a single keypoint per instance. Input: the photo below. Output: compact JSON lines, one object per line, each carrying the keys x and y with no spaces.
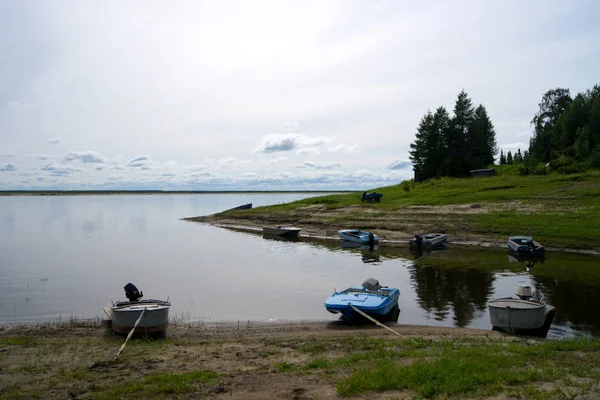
{"x":482,"y":172}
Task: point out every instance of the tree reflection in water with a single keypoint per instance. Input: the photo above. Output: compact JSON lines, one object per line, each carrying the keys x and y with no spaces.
{"x":464,"y":291}
{"x":576,"y":302}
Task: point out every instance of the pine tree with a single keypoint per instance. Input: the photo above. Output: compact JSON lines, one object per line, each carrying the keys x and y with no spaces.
{"x":509,"y":158}
{"x":482,"y":140}
{"x":456,"y":163}
{"x":502,"y":158}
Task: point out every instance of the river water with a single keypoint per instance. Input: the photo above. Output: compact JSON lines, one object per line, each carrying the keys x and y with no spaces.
{"x":65,"y":257}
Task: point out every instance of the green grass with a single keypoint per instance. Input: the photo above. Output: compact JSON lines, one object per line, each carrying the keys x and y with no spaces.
{"x":469,"y":367}
{"x":158,"y":385}
{"x":560,"y":210}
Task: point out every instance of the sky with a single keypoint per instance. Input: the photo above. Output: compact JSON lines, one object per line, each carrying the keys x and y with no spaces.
{"x":267,"y":95}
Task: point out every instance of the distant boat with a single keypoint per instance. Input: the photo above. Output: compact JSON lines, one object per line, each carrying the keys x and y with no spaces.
{"x":428,"y":240}
{"x":357,"y":236}
{"x":242,"y":207}
{"x":525,"y":246}
{"x":124,"y":314}
{"x":376,"y":301}
{"x":526,"y":314}
{"x":287,"y":231}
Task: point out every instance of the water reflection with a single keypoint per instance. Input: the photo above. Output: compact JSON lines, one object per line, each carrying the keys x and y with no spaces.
{"x":419,"y":251}
{"x":369,"y":253}
{"x":529,"y":261}
{"x":464,"y":291}
{"x":576,"y":302}
{"x":280,"y":238}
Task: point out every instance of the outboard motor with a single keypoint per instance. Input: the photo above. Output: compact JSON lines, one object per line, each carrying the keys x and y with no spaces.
{"x":418,"y":239}
{"x":132,"y":293}
{"x":372,"y":284}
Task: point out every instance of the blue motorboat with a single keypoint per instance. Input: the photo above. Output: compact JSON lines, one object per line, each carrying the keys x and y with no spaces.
{"x":371,"y":298}
{"x":525,"y":246}
{"x":358,"y":236}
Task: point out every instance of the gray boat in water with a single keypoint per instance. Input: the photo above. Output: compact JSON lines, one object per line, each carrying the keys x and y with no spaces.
{"x":525,"y":314}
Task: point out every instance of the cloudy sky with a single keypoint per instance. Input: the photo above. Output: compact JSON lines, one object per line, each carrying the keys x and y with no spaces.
{"x":132,"y":94}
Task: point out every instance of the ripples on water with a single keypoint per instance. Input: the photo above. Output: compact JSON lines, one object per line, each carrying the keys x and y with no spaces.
{"x":63,"y":257}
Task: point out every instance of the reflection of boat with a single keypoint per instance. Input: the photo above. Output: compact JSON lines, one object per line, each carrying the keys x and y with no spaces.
{"x":357,"y":236}
{"x":530,"y":261}
{"x":379,"y":302}
{"x":281,"y":238}
{"x":418,"y":251}
{"x":525,"y":245}
{"x":344,"y":244}
{"x":428,"y":240}
{"x":288,"y":231}
{"x":243,"y":207}
{"x":526,"y":314}
{"x":125,"y":314}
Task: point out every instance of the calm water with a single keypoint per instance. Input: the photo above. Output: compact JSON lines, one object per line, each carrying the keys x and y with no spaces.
{"x":69,"y":256}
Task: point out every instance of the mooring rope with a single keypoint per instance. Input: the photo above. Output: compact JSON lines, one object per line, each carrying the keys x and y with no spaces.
{"x":131,"y":333}
{"x":374,"y":320}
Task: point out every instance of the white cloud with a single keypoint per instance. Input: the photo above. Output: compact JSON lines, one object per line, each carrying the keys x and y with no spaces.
{"x":311,"y":151}
{"x":290,"y":126}
{"x":139,"y":161}
{"x":60,"y":169}
{"x":400,"y":165}
{"x":318,"y":166}
{"x":54,"y":141}
{"x":8,"y":155}
{"x":278,"y":160}
{"x":280,"y":142}
{"x":8,"y":167}
{"x":100,"y":167}
{"x":344,"y":148}
{"x":86,"y":157}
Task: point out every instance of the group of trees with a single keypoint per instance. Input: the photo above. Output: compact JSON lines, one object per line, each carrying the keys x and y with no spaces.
{"x":451,"y":146}
{"x":567,"y":130}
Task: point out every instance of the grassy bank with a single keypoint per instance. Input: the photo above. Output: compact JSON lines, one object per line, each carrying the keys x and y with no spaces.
{"x":562,"y":211}
{"x":312,"y":361}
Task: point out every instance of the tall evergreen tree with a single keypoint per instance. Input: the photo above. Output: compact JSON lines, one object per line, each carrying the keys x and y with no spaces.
{"x":481,"y":140}
{"x":502,"y":157}
{"x":553,"y":104}
{"x":428,"y":150}
{"x":509,"y":158}
{"x":456,"y":163}
{"x":418,"y":154}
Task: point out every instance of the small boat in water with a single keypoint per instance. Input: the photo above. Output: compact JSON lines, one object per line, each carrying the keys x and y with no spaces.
{"x":379,"y":302}
{"x":357,"y":236}
{"x":525,"y":314}
{"x":428,"y":240}
{"x":525,"y":245}
{"x":288,"y":231}
{"x":125,"y":314}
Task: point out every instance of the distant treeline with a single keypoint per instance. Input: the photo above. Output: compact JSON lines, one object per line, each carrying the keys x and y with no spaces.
{"x":452,"y":146}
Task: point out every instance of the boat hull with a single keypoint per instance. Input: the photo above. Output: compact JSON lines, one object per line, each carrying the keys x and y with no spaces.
{"x":357,"y":236}
{"x":123,"y":317}
{"x":517,"y":245}
{"x":286,"y":231}
{"x":376,"y":304}
{"x":430,"y":240}
{"x":518,"y":316}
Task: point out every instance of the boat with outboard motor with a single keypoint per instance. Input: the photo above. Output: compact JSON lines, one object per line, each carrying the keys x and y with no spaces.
{"x":526,"y":314}
{"x":428,"y":240}
{"x":379,"y":302}
{"x":525,"y":245}
{"x":153,"y":314}
{"x":358,"y":236}
{"x":288,"y":231}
